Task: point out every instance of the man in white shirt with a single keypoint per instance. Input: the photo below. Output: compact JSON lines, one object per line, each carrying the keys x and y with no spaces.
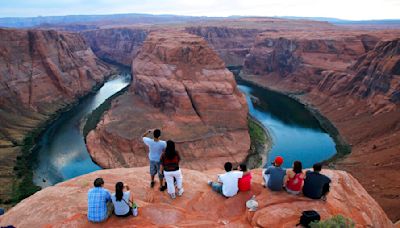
{"x":156,"y":148}
{"x":227,"y":184}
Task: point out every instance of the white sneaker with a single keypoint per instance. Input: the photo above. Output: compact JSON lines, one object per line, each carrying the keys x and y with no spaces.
{"x":209,"y":182}
{"x":172,"y":195}
{"x":180,"y":192}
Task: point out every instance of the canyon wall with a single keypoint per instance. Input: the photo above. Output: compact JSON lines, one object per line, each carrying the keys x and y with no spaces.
{"x":65,"y":204}
{"x":181,"y":86}
{"x":352,"y":78}
{"x":231,"y":44}
{"x":41,"y":72}
{"x":118,"y":45}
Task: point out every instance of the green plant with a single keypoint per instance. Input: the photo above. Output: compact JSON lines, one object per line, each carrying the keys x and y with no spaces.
{"x":337,"y":221}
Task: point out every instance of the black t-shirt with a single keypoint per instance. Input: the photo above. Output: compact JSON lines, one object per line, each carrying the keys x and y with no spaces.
{"x":314,"y":183}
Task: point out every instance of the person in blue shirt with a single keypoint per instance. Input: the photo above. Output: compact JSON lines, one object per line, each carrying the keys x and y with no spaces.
{"x":100,"y":205}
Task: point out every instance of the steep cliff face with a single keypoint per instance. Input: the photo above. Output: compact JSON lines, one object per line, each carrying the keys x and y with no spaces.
{"x":118,"y":45}
{"x":375,"y":77}
{"x":40,"y":73}
{"x":65,"y":204}
{"x":231,"y":44}
{"x":360,"y":98}
{"x":182,"y":87}
{"x":300,"y":57}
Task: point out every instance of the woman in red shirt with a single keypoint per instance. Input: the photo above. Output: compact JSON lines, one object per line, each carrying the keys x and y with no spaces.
{"x":244,"y":183}
{"x":170,"y":165}
{"x":294,"y":179}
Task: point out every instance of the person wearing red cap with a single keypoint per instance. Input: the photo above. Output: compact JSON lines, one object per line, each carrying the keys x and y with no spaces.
{"x":275,"y":175}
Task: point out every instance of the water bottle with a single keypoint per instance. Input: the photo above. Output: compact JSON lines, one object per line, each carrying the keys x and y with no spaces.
{"x":134,"y":210}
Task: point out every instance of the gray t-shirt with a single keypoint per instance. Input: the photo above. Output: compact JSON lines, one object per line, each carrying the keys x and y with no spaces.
{"x":275,"y":181}
{"x":121,"y":207}
{"x":155,"y":148}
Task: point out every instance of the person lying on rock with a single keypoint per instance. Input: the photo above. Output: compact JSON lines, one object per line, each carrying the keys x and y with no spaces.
{"x":294,"y":178}
{"x":227,"y":184}
{"x":170,"y":167}
{"x":274,"y":175}
{"x":244,"y":182}
{"x":156,"y":148}
{"x":316,"y":185}
{"x":122,"y":200}
{"x":100,"y":206}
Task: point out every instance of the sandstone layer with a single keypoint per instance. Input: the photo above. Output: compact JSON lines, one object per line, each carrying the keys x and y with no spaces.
{"x":181,"y":86}
{"x":40,"y":73}
{"x":65,"y":204}
{"x":118,"y":45}
{"x":355,"y":86}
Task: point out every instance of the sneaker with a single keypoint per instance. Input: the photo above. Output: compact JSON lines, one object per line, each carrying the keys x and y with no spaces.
{"x":209,"y":182}
{"x":172,"y":195}
{"x":152,"y":184}
{"x":180,"y":192}
{"x":162,"y":188}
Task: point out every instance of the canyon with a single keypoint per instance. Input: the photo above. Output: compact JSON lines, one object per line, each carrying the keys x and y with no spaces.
{"x":41,"y":72}
{"x":199,"y":206}
{"x":181,"y":86}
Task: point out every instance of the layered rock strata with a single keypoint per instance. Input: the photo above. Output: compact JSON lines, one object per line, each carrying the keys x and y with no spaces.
{"x":359,"y":96}
{"x":40,"y":72}
{"x":65,"y":204}
{"x":119,"y":45}
{"x":181,"y":86}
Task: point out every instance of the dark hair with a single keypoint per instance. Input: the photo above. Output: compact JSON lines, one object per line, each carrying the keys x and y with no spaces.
{"x":119,"y":187}
{"x":157,"y":133}
{"x":170,"y":151}
{"x":228,"y":166}
{"x":297,"y":167}
{"x":243,"y":167}
{"x":317,"y":167}
{"x":98,"y":182}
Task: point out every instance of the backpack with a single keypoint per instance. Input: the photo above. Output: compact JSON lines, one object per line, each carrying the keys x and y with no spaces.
{"x":307,"y":217}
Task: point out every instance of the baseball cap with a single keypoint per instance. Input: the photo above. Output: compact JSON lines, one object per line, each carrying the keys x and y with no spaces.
{"x":278,"y":160}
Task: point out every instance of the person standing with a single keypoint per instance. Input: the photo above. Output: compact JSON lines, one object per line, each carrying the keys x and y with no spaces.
{"x":156,"y":148}
{"x":275,"y":174}
{"x":316,"y":185}
{"x":170,"y":167}
{"x":294,"y":178}
{"x":227,"y":184}
{"x":100,"y":206}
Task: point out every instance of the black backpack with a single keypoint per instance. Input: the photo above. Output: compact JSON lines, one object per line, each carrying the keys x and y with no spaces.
{"x":307,"y":217}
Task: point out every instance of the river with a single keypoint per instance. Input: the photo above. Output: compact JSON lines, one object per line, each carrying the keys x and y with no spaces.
{"x":296,"y":133}
{"x":61,"y":152}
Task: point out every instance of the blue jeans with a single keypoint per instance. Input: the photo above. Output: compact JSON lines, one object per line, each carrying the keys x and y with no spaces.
{"x":217,"y":187}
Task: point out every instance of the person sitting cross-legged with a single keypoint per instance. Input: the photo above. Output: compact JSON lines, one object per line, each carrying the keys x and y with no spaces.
{"x":227,"y":184}
{"x":100,"y":206}
{"x":275,"y":175}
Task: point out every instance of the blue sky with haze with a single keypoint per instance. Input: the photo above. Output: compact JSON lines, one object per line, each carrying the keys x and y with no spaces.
{"x":344,"y":9}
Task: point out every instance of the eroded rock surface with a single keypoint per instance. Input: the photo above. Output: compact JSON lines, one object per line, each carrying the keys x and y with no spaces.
{"x":65,"y":204}
{"x":181,"y":86}
{"x":357,"y":92}
{"x":40,"y":72}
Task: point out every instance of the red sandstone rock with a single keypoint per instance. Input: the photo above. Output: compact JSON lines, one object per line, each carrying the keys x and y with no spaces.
{"x":65,"y":204}
{"x":118,"y":45}
{"x":181,"y":86}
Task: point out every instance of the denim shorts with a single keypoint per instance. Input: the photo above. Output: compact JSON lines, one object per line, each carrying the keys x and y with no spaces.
{"x":155,"y":168}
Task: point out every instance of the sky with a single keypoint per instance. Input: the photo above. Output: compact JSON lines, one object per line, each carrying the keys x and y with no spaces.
{"x":343,"y":9}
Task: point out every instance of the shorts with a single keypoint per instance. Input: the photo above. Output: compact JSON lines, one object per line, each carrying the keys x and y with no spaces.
{"x":155,"y":168}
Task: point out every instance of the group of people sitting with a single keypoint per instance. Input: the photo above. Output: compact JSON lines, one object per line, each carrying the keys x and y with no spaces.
{"x":164,"y":161}
{"x":313,"y":184}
